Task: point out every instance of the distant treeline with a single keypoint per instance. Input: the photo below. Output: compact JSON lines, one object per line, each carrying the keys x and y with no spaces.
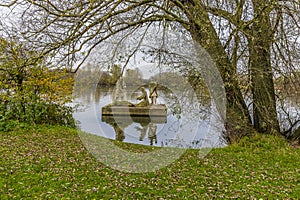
{"x":90,"y":76}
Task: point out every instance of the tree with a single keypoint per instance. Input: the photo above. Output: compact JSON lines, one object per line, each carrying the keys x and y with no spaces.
{"x":256,"y":37}
{"x":133,"y":77}
{"x":116,"y":73}
{"x":264,"y":33}
{"x":31,"y":92}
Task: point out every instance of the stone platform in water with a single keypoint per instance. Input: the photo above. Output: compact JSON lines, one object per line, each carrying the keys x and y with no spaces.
{"x":123,"y":110}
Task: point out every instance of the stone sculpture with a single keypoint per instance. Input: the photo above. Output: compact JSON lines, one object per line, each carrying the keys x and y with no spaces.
{"x":144,"y":98}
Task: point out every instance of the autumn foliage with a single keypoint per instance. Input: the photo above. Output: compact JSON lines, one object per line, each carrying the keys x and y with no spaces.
{"x":31,"y":92}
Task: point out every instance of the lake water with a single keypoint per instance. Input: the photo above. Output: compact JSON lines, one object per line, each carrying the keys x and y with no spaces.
{"x":194,"y":126}
{"x":188,"y":124}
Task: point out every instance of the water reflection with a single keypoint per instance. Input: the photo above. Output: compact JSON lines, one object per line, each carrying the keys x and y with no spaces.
{"x":176,"y":129}
{"x":152,"y":133}
{"x":288,"y":108}
{"x":149,"y":128}
{"x":145,"y":126}
{"x":159,"y":131}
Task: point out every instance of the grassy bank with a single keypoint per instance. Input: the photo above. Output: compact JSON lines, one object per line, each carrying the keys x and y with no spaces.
{"x":51,"y":163}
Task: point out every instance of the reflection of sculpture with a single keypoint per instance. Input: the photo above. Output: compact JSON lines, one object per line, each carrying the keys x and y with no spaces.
{"x":143,"y":130}
{"x":152,"y":133}
{"x":148,"y":126}
{"x":151,"y":129}
{"x":118,"y":127}
{"x":153,"y":93}
{"x":119,"y":133}
{"x":144,"y":98}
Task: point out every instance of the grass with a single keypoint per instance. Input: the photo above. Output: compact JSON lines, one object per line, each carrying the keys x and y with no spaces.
{"x":48,"y":162}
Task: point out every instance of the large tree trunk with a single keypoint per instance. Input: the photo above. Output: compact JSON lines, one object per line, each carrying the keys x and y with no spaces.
{"x":264,"y":103}
{"x":238,"y":122}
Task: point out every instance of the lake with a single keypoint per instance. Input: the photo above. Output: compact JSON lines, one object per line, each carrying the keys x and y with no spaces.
{"x":188,"y":123}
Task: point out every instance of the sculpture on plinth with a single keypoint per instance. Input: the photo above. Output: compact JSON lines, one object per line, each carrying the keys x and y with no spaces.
{"x":142,"y":108}
{"x":153,"y":93}
{"x":122,"y":113}
{"x":119,"y":91}
{"x":144,"y":98}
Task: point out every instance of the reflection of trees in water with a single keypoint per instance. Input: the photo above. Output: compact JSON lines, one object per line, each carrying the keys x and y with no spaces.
{"x":102,"y":92}
{"x":288,"y":104}
{"x":91,"y":95}
{"x":288,"y":108}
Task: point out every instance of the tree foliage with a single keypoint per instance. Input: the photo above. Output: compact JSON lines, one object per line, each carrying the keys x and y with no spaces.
{"x":31,"y":92}
{"x":248,"y":40}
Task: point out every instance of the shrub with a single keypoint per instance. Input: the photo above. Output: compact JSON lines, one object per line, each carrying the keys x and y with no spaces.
{"x":29,"y":91}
